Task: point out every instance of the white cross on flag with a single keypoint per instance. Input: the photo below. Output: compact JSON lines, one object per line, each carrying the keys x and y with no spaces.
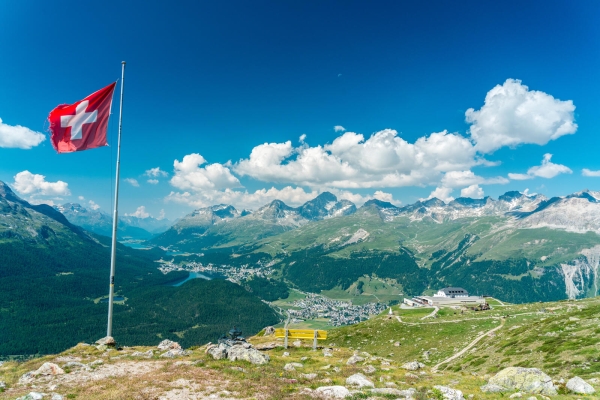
{"x":82,"y":125}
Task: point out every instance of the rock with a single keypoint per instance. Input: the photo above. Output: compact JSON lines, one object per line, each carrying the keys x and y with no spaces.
{"x":397,"y":344}
{"x":304,"y":359}
{"x":409,"y":393}
{"x":102,"y":347}
{"x":168,"y":345}
{"x":2,"y":386}
{"x":326,"y":366}
{"x":326,"y":380}
{"x":413,"y":365}
{"x":74,"y":365}
{"x":369,"y":369}
{"x":269,"y":330}
{"x":411,"y":375}
{"x":594,"y":381}
{"x":32,"y":396}
{"x":292,"y":366}
{"x":297,"y":343}
{"x":532,"y":398}
{"x":49,"y":369}
{"x":175,"y":353}
{"x":285,"y":354}
{"x":359,"y":380}
{"x":390,"y":384}
{"x":266,"y":346}
{"x":354,"y":359}
{"x":218,"y":352}
{"x":449,"y":393}
{"x":56,"y":396}
{"x":335,"y":392}
{"x":249,"y":354}
{"x":491,"y":388}
{"x":337,"y":369}
{"x":309,"y":376}
{"x":327,"y":352}
{"x":579,"y":386}
{"x":515,"y":396}
{"x":107,"y":341}
{"x":530,"y":380}
{"x":146,"y":354}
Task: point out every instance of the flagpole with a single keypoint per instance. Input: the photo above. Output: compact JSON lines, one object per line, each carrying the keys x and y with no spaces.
{"x":113,"y":257}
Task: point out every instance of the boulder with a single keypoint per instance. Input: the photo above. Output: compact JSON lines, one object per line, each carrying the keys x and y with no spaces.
{"x":332,"y":392}
{"x":292,"y":366}
{"x":32,"y":396}
{"x":327,"y":352}
{"x":169,"y":345}
{"x":269,"y":330}
{"x":249,"y":354}
{"x":354,"y":359}
{"x":107,"y":341}
{"x":579,"y":386}
{"x":491,"y":388}
{"x":359,"y":380}
{"x":47,"y":369}
{"x":413,"y":365}
{"x":309,"y":376}
{"x":530,"y":380}
{"x":449,"y":393}
{"x":369,"y":369}
{"x":217,"y":352}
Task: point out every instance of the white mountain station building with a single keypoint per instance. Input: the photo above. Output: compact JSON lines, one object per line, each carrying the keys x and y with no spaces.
{"x":447,"y":297}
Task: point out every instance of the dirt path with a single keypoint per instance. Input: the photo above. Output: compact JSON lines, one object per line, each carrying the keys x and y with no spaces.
{"x":436,"y":309}
{"x":469,"y":346}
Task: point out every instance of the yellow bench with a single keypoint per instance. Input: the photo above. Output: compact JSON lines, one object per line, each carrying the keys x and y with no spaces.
{"x":300,"y":334}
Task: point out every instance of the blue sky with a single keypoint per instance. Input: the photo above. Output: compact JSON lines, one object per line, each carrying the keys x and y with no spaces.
{"x":221,"y":79}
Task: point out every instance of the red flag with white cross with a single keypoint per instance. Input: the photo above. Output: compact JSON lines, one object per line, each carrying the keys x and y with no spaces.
{"x":82,"y":125}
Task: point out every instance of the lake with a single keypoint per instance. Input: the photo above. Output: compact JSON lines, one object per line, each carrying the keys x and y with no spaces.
{"x":201,"y":275}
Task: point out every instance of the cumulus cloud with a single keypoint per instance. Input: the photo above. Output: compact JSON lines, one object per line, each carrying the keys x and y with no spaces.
{"x":513,"y":115}
{"x":547,"y":170}
{"x":140,"y":212}
{"x":155,"y":173}
{"x":93,"y":205}
{"x":152,"y":181}
{"x":19,"y":137}
{"x":473,"y":191}
{"x":442,"y":193}
{"x":350,"y":161}
{"x":383,"y":196}
{"x":455,"y":179}
{"x":36,"y":185}
{"x":302,"y":138}
{"x":588,"y":172}
{"x":189,"y":175}
{"x":133,"y":182}
{"x":339,"y":128}
{"x":81,"y":198}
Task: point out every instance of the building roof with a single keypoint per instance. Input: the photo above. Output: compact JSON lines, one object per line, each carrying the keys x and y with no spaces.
{"x":454,"y":291}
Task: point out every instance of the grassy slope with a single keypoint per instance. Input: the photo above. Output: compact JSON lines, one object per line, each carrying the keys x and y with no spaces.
{"x":561,"y":338}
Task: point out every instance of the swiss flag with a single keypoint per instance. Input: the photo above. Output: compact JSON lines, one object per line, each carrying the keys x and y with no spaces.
{"x":82,"y":125}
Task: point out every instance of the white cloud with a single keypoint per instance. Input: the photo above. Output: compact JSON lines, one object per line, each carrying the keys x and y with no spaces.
{"x":382,"y":160}
{"x":19,"y":136}
{"x":547,"y":170}
{"x":36,"y":185}
{"x":93,"y":205}
{"x":156,"y":173}
{"x":161,"y":215}
{"x":152,"y":181}
{"x":473,"y":191}
{"x":133,"y":182}
{"x":514,"y":115}
{"x":37,"y":201}
{"x":455,"y":179}
{"x":139,"y":213}
{"x":81,"y":198}
{"x":383,"y":196}
{"x":442,"y":193}
{"x":588,"y":172}
{"x":339,"y":128}
{"x":302,"y":138}
{"x":189,"y":175}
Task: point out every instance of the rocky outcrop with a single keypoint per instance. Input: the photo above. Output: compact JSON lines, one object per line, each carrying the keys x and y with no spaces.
{"x":332,"y":392}
{"x":354,"y":359}
{"x":238,"y":349}
{"x":168,"y":345}
{"x":579,"y":386}
{"x":359,"y":380}
{"x":45,"y":370}
{"x":413,"y":365}
{"x":449,"y":393}
{"x":530,"y":380}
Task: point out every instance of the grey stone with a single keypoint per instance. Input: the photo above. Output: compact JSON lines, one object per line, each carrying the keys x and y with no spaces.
{"x":413,"y":365}
{"x":32,"y":396}
{"x":492,"y":388}
{"x":107,"y":341}
{"x":530,"y":380}
{"x":579,"y":386}
{"x":217,"y":352}
{"x":369,"y":369}
{"x":297,"y":343}
{"x":304,"y":359}
{"x":249,"y":354}
{"x":168,"y":345}
{"x":359,"y":380}
{"x":266,"y":346}
{"x":517,"y":395}
{"x":449,"y":393}
{"x":327,"y":352}
{"x":175,"y":353}
{"x":269,"y":330}
{"x":74,"y":365}
{"x":285,"y":354}
{"x":411,"y":375}
{"x":354,"y":359}
{"x":334,"y":392}
{"x":145,"y":354}
{"x":56,"y":396}
{"x":292,"y":366}
{"x":2,"y":385}
{"x":309,"y":376}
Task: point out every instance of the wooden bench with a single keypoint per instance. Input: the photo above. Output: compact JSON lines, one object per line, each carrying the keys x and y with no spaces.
{"x":300,"y":334}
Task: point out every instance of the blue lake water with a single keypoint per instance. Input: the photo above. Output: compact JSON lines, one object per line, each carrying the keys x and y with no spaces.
{"x":115,"y":298}
{"x":201,"y":275}
{"x":135,"y":245}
